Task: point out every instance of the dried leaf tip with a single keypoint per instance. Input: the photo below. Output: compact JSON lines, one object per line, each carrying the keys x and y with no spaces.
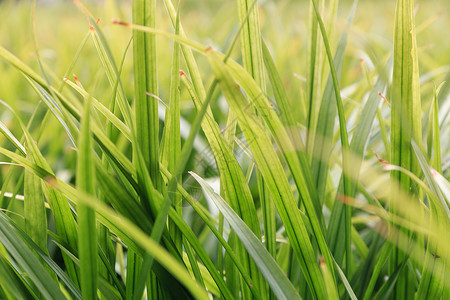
{"x":379,"y":159}
{"x":86,"y":11}
{"x":383,"y":97}
{"x":117,"y":21}
{"x":321,"y":260}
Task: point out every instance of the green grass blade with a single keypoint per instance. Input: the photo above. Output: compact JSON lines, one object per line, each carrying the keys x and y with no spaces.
{"x":145,"y":80}
{"x":314,"y":77}
{"x":28,"y":261}
{"x":8,"y":134}
{"x":171,"y":143}
{"x":109,"y":64}
{"x":199,"y":276}
{"x":56,"y":109}
{"x":329,"y":280}
{"x":291,"y":128}
{"x":382,"y":258}
{"x":191,"y":63}
{"x":405,"y":118}
{"x":11,"y":285}
{"x":234,"y":183}
{"x":126,"y":230}
{"x":437,"y":162}
{"x":432,"y":281}
{"x":185,"y":153}
{"x":287,"y":149}
{"x":107,"y":146}
{"x":441,"y":204}
{"x":388,"y":287}
{"x":52,"y":265}
{"x":252,"y":58}
{"x":192,"y":240}
{"x":321,"y":146}
{"x":87,"y":229}
{"x":65,"y":223}
{"x":124,"y":129}
{"x":273,"y":173}
{"x":347,"y":285}
{"x":203,"y":215}
{"x":277,"y":280}
{"x":346,"y":169}
{"x":335,"y":233}
{"x":405,"y":91}
{"x":34,"y":210}
{"x":251,"y":40}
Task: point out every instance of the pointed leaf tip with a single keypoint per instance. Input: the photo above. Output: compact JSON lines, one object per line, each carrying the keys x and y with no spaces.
{"x":119,"y":22}
{"x":383,"y":97}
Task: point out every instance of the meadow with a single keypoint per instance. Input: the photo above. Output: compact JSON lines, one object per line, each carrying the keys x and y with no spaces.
{"x":225,"y":149}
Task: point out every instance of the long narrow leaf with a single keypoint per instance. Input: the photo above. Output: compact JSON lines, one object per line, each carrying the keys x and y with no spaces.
{"x":278,"y":281}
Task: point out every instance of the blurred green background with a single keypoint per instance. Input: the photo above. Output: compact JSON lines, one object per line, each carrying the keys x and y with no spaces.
{"x":60,"y":28}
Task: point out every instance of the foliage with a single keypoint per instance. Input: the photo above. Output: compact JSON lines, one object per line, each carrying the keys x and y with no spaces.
{"x":197,"y":168}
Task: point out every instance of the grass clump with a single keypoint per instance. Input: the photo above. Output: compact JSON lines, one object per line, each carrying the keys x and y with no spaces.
{"x":171,"y":169}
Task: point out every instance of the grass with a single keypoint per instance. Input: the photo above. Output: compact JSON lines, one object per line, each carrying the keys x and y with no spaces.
{"x":289,"y":151}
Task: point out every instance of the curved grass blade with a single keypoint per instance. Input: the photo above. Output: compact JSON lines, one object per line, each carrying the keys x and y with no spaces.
{"x":203,"y":215}
{"x":321,"y":147}
{"x":253,"y":62}
{"x":109,"y":64}
{"x":124,"y":129}
{"x":234,"y":182}
{"x":314,"y":77}
{"x":65,"y":223}
{"x":346,"y":169}
{"x":28,"y":261}
{"x":273,"y":173}
{"x":358,"y":145}
{"x":271,"y":271}
{"x":117,"y":157}
{"x":52,"y":265}
{"x":11,"y":285}
{"x":287,"y":149}
{"x":8,"y":134}
{"x":126,"y":230}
